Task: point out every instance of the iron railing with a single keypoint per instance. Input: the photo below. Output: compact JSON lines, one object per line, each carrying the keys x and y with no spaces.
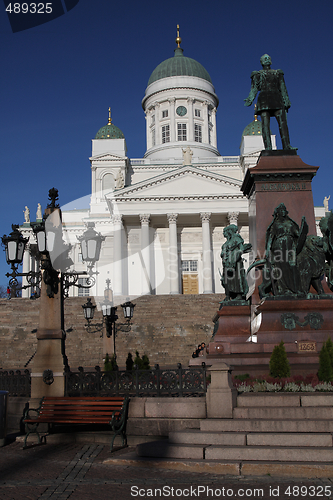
{"x":16,"y":382}
{"x":180,"y":382}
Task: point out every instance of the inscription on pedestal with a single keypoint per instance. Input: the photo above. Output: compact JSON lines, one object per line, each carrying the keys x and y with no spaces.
{"x":307,"y":346}
{"x":283,"y":186}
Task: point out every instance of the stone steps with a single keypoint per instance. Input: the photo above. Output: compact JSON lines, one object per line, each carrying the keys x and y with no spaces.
{"x":285,"y":428}
{"x":236,"y":438}
{"x":283,"y":413}
{"x":289,"y":426}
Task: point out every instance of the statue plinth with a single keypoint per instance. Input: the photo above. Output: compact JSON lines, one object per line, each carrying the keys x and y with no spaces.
{"x":278,"y":179}
{"x":280,"y":195}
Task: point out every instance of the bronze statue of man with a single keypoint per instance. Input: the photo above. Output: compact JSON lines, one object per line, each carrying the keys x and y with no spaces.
{"x":273,"y":100}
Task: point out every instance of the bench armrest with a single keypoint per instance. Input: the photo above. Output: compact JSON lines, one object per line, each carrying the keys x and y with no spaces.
{"x":26,"y":414}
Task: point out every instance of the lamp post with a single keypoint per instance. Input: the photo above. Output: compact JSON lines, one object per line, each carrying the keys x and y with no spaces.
{"x":110,"y":318}
{"x":55,"y":281}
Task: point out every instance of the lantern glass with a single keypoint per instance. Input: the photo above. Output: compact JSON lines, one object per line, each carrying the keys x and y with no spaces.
{"x":92,"y":246}
{"x":41,"y":241}
{"x":11,"y":251}
{"x":106,"y":309}
{"x":20,"y":251}
{"x":50,"y":239}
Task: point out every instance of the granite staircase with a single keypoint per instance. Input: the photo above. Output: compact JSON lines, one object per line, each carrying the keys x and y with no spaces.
{"x":265,"y":428}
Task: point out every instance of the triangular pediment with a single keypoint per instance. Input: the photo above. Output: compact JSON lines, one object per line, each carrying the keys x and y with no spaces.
{"x":107,"y":157}
{"x":188,"y":181}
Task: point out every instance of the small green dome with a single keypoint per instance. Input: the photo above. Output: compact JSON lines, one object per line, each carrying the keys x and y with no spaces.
{"x":109,"y":131}
{"x":253,"y":128}
{"x":179,"y":66}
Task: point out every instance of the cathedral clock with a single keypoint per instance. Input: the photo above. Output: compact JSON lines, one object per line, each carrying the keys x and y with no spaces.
{"x":181,"y":111}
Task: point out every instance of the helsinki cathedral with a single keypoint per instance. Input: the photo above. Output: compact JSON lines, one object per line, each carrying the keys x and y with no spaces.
{"x":163,"y":215}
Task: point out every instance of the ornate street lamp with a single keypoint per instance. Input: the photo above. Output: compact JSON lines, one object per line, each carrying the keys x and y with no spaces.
{"x":128,"y":309}
{"x":14,"y":247}
{"x":89,"y":310}
{"x":91,"y":242}
{"x":110,"y":318}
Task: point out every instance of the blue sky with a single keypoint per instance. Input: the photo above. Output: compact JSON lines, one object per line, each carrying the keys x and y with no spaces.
{"x":59,"y":79}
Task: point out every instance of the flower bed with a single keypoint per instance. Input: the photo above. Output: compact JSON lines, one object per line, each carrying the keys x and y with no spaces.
{"x":297,"y":383}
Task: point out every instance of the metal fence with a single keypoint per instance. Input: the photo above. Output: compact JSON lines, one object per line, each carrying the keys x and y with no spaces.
{"x":180,"y":382}
{"x":16,"y":382}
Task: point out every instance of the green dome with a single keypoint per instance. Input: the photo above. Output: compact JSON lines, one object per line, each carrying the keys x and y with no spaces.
{"x":179,"y":66}
{"x":253,"y":128}
{"x":109,"y":131}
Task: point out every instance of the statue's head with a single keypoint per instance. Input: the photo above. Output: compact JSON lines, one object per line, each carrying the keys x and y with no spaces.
{"x":265,"y":60}
{"x":280,"y":210}
{"x":230,"y":230}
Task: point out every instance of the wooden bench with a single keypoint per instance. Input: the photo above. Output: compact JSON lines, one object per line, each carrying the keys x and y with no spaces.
{"x":78,"y":410}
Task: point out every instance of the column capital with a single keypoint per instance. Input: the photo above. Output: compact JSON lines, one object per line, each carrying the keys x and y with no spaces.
{"x":205,"y":216}
{"x":233,"y":217}
{"x":172,"y":218}
{"x":144,"y":218}
{"x":172,"y":100}
{"x":190,"y":99}
{"x":117,"y":218}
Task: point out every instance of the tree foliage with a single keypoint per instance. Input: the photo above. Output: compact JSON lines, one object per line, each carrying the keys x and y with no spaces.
{"x":278,"y":364}
{"x":325,"y":372}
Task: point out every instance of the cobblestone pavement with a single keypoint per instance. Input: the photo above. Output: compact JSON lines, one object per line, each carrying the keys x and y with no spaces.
{"x":78,"y":472}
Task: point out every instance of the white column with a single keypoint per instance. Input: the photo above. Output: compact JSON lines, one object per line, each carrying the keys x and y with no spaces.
{"x":26,"y":269}
{"x":206,"y":254}
{"x":233,"y":218}
{"x":93,"y":183}
{"x":205,"y":132}
{"x":145,"y":253}
{"x":190,"y":137}
{"x":213,"y":135}
{"x":172,"y":120}
{"x":117,"y":255}
{"x":173,"y":254}
{"x":148,"y":128}
{"x":158,"y":138}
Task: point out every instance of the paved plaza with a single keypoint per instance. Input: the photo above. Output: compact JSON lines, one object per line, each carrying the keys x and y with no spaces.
{"x":85,"y":472}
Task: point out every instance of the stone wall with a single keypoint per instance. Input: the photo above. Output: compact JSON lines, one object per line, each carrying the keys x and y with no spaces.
{"x":165,"y":327}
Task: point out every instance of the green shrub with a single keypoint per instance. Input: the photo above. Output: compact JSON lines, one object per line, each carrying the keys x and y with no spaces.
{"x":141,"y":363}
{"x":242,"y":376}
{"x":145,"y":362}
{"x":329,"y":347}
{"x":325,"y":372}
{"x":278,"y":364}
{"x":110,"y":364}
